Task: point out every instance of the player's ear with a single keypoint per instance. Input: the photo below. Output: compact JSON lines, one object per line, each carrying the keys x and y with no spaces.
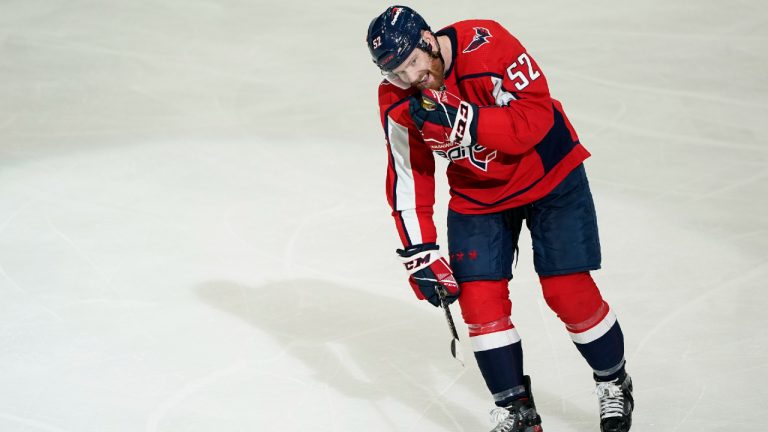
{"x":430,"y":39}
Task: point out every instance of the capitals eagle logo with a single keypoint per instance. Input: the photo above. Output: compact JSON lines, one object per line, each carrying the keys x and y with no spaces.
{"x":480,"y":39}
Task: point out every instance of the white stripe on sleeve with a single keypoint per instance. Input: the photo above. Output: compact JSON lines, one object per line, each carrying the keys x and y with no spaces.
{"x":405,"y":189}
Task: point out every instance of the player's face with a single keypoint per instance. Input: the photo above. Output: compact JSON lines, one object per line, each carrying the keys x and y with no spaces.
{"x":419,"y":70}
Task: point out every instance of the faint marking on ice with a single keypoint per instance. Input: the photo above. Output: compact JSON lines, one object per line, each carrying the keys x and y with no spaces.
{"x":437,"y":398}
{"x":717,"y":36}
{"x":691,"y":409}
{"x":666,"y":92}
{"x":238,"y":237}
{"x":16,"y":212}
{"x":344,"y":359}
{"x":84,"y":256}
{"x":718,"y":287}
{"x":18,"y":287}
{"x":290,"y":244}
{"x":162,"y":411}
{"x":352,"y":335}
{"x":100,"y":302}
{"x":57,"y":44}
{"x":687,"y":138}
{"x":732,"y":185}
{"x":612,"y":122}
{"x":746,"y":235}
{"x":31,"y":423}
{"x":10,"y":279}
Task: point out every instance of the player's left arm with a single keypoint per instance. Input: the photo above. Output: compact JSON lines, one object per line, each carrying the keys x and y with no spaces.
{"x":523,"y":113}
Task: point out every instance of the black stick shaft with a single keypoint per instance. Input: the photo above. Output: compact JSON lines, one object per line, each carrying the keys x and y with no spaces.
{"x":451,"y":325}
{"x":448,"y":315}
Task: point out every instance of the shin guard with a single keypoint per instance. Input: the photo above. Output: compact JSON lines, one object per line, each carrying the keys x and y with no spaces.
{"x":486,"y":308}
{"x":589,"y":320}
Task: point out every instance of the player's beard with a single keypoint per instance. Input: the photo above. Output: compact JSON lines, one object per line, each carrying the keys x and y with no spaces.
{"x":435,"y":79}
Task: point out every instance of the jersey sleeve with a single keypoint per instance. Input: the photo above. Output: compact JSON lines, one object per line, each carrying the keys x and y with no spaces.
{"x":523,"y":111}
{"x":410,"y":170}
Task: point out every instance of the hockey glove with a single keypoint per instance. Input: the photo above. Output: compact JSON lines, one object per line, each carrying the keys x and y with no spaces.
{"x":443,"y":118}
{"x":428,"y":271}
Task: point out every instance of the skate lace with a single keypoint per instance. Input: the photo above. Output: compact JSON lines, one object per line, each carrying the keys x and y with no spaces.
{"x":505,"y":419}
{"x":611,"y":399}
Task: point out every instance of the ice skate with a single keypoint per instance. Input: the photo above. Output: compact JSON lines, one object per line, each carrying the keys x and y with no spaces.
{"x":519,"y":416}
{"x":616,"y":404}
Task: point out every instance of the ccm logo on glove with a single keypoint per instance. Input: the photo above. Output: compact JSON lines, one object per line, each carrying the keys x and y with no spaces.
{"x":417,"y":263}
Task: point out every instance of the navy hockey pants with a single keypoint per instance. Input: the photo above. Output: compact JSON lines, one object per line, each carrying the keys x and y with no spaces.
{"x":563,"y":228}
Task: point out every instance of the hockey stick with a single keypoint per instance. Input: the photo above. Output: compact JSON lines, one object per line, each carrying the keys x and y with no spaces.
{"x":455,"y":351}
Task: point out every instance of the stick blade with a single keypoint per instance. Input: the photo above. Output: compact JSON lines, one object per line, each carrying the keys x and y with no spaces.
{"x":456,"y":351}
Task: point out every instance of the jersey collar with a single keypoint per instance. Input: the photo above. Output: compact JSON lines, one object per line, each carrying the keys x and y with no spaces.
{"x":451,"y":33}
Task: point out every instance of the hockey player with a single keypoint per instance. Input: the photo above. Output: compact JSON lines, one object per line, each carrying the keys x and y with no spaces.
{"x":472,"y":94}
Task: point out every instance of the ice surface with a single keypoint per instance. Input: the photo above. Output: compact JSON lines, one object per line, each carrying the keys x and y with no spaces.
{"x":194,"y":235}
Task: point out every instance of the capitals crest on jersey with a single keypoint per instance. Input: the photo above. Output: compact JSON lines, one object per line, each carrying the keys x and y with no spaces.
{"x":481,"y":38}
{"x":477,"y":155}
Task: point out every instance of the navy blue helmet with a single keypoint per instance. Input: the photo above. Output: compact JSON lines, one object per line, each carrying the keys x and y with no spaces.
{"x":393,"y":35}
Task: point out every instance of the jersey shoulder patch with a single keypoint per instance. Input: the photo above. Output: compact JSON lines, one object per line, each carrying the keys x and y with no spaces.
{"x":482,"y":34}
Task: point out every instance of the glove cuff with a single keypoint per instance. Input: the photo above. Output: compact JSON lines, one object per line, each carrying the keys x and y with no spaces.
{"x":413,"y":250}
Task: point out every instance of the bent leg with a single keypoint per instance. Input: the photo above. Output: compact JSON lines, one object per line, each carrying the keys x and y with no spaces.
{"x":486,"y":308}
{"x":589,"y":320}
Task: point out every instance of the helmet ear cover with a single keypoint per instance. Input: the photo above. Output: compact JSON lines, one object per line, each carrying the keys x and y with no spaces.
{"x":426,"y":47}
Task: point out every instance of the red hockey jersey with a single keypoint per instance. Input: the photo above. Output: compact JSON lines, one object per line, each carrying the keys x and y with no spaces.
{"x":525,"y":143}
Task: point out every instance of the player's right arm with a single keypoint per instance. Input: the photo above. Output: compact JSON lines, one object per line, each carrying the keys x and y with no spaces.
{"x":411,"y":195}
{"x":410,"y":169}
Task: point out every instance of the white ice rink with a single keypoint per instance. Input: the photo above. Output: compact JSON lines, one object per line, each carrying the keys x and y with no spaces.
{"x":194,"y":235}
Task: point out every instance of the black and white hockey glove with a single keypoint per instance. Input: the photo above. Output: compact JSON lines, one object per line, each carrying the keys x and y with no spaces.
{"x":429,"y":270}
{"x":443,"y":118}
